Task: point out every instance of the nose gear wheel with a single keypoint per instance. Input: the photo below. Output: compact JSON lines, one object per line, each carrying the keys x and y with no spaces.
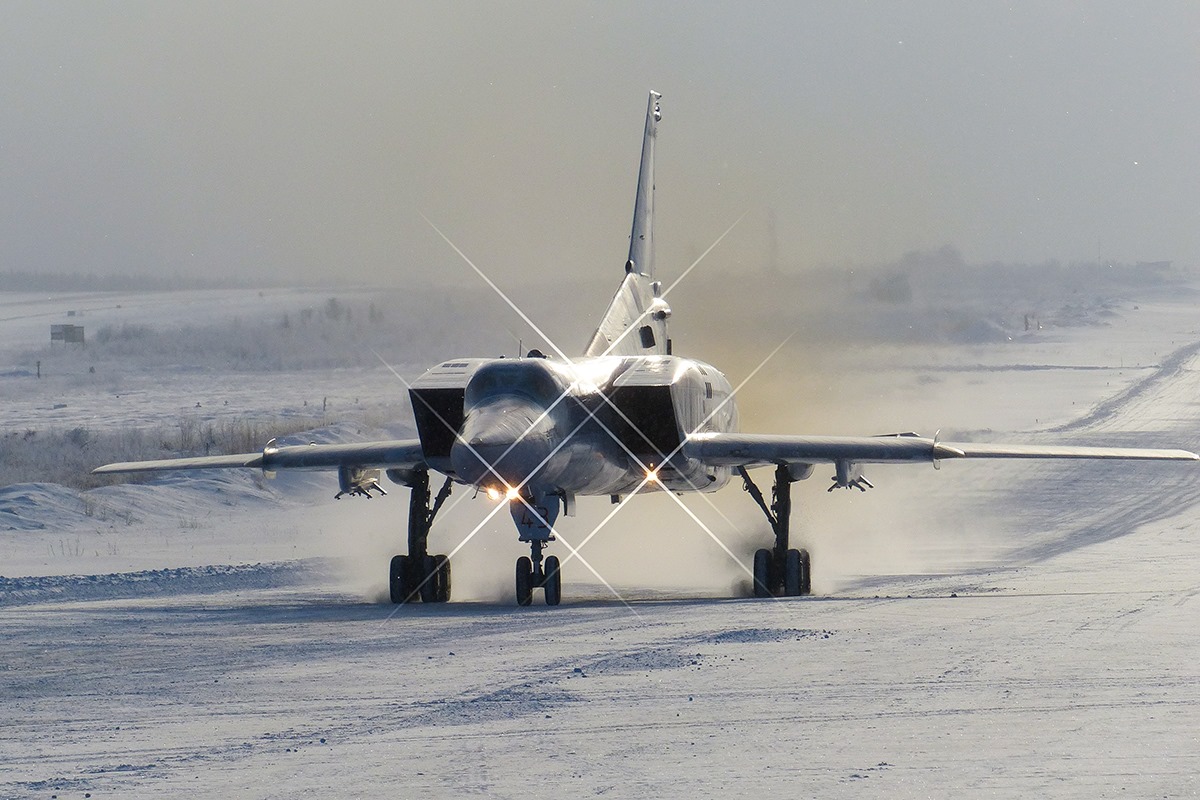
{"x":531,"y":574}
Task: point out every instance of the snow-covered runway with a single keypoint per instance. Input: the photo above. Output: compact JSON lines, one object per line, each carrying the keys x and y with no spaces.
{"x":1077,"y":677}
{"x":1006,"y":630}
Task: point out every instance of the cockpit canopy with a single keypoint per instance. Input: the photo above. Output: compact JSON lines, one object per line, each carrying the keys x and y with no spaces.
{"x":530,"y":378}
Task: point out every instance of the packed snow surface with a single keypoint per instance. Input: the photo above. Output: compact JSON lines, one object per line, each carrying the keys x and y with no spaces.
{"x":995,"y":629}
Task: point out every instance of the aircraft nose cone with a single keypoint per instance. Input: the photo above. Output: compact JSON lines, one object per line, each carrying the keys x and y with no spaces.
{"x":505,"y":438}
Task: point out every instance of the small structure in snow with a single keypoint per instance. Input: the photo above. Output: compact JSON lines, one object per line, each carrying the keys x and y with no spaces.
{"x":67,"y":334}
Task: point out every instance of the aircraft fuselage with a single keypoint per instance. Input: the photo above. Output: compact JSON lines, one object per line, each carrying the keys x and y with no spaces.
{"x":595,"y":426}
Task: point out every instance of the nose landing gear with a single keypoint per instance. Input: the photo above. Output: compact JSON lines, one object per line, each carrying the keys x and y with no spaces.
{"x":531,"y":574}
{"x":534,"y":515}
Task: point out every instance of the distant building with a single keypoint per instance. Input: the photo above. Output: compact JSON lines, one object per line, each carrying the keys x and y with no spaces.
{"x":67,"y":334}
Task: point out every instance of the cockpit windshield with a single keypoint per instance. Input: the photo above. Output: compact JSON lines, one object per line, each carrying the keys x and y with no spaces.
{"x":526,"y":378}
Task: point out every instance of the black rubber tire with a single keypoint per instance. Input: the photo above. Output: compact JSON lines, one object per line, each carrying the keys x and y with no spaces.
{"x":398,"y":579}
{"x":805,"y":573}
{"x":524,"y":581}
{"x":443,"y":579}
{"x":793,"y":574}
{"x":553,"y":581}
{"x":429,"y":580}
{"x":762,"y":573}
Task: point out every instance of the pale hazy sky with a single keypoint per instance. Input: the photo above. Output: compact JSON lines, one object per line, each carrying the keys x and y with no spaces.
{"x":301,"y":139}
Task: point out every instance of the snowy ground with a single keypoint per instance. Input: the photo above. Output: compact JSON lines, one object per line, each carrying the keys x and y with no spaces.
{"x":1008,"y":630}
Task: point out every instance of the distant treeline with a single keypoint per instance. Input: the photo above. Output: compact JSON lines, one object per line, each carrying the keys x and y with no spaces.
{"x":67,"y":456}
{"x":74,"y":282}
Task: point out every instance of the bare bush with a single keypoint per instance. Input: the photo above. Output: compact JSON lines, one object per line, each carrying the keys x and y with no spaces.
{"x":122,"y":333}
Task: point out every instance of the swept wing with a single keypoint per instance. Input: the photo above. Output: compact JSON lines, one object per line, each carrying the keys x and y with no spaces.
{"x":757,"y":450}
{"x":401,"y":454}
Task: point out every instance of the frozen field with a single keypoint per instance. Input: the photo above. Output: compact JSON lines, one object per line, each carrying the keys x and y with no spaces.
{"x":1008,"y":630}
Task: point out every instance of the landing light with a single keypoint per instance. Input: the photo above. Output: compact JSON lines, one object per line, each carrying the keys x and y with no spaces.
{"x":651,"y":476}
{"x":496,"y":495}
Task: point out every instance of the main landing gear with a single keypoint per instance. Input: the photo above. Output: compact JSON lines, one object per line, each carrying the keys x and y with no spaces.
{"x":418,"y":574}
{"x":780,"y":571}
{"x":531,"y":574}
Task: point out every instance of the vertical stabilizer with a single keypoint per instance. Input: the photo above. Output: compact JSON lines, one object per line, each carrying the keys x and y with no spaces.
{"x":636,"y":320}
{"x":641,"y":239}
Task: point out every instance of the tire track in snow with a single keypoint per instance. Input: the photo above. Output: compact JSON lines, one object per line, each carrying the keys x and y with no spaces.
{"x":1119,"y":403}
{"x":1081,"y":503}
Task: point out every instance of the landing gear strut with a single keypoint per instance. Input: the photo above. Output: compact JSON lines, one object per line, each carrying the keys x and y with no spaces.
{"x":418,"y":574}
{"x":534,"y":515}
{"x":531,"y":574}
{"x":780,"y":571}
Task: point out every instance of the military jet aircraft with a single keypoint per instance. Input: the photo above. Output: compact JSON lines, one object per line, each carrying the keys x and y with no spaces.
{"x":628,"y":416}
